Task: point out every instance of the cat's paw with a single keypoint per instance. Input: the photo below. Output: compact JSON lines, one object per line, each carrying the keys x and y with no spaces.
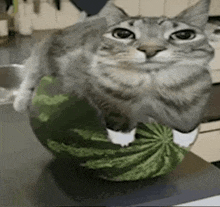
{"x":185,"y":139}
{"x":123,"y":139}
{"x":21,"y":102}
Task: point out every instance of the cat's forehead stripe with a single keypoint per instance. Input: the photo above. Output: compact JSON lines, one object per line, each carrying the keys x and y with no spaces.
{"x":169,"y":23}
{"x":131,"y":23}
{"x":175,"y":24}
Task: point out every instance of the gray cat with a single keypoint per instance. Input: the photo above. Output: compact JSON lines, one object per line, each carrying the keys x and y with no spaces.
{"x":131,"y":69}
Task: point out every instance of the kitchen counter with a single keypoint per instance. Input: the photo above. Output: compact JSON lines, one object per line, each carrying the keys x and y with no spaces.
{"x":30,"y":176}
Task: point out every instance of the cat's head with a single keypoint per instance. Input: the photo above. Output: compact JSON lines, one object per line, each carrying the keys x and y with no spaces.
{"x":156,"y":41}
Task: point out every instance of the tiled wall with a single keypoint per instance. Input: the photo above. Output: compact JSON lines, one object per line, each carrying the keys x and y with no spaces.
{"x":162,"y":7}
{"x":50,"y":18}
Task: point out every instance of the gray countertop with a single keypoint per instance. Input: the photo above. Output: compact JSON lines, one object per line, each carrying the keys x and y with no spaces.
{"x":30,"y":176}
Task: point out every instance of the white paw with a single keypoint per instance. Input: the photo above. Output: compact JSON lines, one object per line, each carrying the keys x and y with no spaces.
{"x":185,"y":139}
{"x":124,"y":139}
{"x":22,"y":100}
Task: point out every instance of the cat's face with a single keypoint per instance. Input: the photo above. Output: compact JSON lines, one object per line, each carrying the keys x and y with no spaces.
{"x":156,"y":42}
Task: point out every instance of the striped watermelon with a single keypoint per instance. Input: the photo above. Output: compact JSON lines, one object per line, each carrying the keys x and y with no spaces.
{"x":70,"y":128}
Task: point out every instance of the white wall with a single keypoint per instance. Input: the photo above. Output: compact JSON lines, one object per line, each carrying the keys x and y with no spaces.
{"x":50,"y":18}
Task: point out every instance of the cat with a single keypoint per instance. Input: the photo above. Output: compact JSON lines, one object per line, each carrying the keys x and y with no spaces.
{"x":131,"y":69}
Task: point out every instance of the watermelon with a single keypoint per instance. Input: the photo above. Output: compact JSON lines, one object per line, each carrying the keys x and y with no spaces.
{"x":71,"y":129}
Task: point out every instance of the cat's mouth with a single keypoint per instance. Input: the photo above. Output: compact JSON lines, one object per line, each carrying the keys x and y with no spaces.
{"x":154,"y":62}
{"x":149,"y":62}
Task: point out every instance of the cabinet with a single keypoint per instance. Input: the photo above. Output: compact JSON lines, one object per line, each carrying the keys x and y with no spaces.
{"x":207,"y":145}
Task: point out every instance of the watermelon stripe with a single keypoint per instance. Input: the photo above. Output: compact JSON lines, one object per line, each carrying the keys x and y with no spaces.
{"x":118,"y":162}
{"x":162,"y":159}
{"x":160,"y":132}
{"x":180,"y":152}
{"x":137,"y":146}
{"x":167,"y":167}
{"x":115,"y":163}
{"x":113,"y":172}
{"x":167,"y":132}
{"x":88,"y":134}
{"x":50,"y":101}
{"x":94,"y":153}
{"x":98,"y":137}
{"x":145,"y":150}
{"x":169,"y":161}
{"x":159,"y":129}
{"x":149,"y":163}
{"x":177,"y":157}
{"x":168,"y":150}
{"x":147,"y":134}
{"x":153,"y":128}
{"x":142,"y":141}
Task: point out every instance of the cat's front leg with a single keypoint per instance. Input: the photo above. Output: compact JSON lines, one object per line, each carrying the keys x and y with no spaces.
{"x":24,"y":94}
{"x":185,"y":139}
{"x":22,"y":98}
{"x":121,"y":129}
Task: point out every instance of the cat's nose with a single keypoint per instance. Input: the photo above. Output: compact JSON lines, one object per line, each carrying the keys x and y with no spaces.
{"x":151,"y":51}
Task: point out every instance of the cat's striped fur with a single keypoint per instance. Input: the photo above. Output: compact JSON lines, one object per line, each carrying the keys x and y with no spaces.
{"x":132,"y":69}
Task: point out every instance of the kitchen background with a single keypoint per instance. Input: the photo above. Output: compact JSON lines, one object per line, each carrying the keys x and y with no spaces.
{"x":31,"y":20}
{"x":36,"y":15}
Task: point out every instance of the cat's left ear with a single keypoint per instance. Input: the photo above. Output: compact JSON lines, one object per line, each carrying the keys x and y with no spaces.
{"x":112,"y":13}
{"x":196,"y":15}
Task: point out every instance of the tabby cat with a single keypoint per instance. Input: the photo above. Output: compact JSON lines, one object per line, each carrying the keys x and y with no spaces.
{"x":131,"y":69}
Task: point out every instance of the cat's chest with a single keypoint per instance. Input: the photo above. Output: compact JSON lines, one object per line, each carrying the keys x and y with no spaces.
{"x":177,"y":73}
{"x":132,"y":85}
{"x":126,"y":77}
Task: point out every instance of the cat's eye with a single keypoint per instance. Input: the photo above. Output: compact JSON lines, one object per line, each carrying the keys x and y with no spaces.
{"x":121,"y":33}
{"x":187,"y":34}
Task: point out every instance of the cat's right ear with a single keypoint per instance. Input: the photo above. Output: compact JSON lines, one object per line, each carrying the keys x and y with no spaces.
{"x":112,"y":13}
{"x":196,"y":15}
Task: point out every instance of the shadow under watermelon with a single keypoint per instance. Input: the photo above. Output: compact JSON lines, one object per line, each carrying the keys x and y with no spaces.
{"x":85,"y":189}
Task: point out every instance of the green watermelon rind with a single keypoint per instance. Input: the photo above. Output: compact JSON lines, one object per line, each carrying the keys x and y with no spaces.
{"x":152,"y":154}
{"x":151,"y":157}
